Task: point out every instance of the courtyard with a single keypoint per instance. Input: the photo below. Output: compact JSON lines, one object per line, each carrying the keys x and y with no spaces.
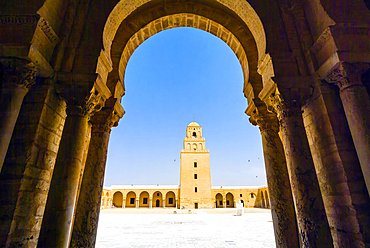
{"x":197,"y":228}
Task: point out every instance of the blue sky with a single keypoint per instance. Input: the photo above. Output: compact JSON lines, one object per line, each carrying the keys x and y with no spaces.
{"x":173,"y":77}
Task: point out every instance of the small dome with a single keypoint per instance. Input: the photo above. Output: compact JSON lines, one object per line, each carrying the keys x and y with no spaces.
{"x":193,"y":124}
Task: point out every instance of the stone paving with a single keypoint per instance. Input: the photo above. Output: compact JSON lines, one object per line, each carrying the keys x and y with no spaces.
{"x":214,"y":228}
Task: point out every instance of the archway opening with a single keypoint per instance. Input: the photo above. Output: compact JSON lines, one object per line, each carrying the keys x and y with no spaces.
{"x":185,"y":74}
{"x":157,"y":199}
{"x":131,"y":200}
{"x":229,"y":200}
{"x":144,"y":199}
{"x":117,"y":199}
{"x":170,"y":199}
{"x":219,"y":201}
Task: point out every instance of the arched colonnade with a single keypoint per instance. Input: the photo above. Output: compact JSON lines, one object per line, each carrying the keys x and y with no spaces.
{"x":144,"y":199}
{"x":306,"y":80}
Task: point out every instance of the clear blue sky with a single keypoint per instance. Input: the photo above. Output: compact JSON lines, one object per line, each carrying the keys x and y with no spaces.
{"x":171,"y":78}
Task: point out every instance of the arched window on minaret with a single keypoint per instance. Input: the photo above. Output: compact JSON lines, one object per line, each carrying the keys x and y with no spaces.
{"x":194,"y":134}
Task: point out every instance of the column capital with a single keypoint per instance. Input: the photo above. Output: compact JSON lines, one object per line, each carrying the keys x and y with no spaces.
{"x":83,"y":98}
{"x":345,"y":74}
{"x":276,"y":103}
{"x":107,"y":117}
{"x":265,"y":120}
{"x":19,"y":72}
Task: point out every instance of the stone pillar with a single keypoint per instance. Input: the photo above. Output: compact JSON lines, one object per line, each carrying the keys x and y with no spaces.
{"x":338,"y":169}
{"x":356,"y":104}
{"x":137,"y":202}
{"x":224,"y":204}
{"x":28,"y":166}
{"x":88,"y":205}
{"x":150,"y":203}
{"x":58,"y":219}
{"x":176,"y":203}
{"x":124,"y":203}
{"x":282,"y":206}
{"x":18,"y":75}
{"x":311,"y":217}
{"x":164,"y":202}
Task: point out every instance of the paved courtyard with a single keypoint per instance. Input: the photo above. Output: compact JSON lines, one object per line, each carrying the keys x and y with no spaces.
{"x":200,"y":228}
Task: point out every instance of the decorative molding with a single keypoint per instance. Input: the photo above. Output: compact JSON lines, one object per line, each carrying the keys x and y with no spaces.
{"x":48,"y":30}
{"x":18,"y":71}
{"x":320,"y":42}
{"x":19,"y":19}
{"x":347,"y":28}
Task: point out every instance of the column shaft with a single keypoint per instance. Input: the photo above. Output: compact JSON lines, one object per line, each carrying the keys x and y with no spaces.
{"x":311,"y":217}
{"x":356,"y":104}
{"x":18,"y":76}
{"x":338,"y":170}
{"x":88,"y":207}
{"x":29,"y":165}
{"x":57,"y":224}
{"x":282,"y":206}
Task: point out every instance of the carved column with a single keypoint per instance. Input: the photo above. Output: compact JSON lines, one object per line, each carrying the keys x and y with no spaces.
{"x":150,"y":203}
{"x":17,"y":77}
{"x":282,"y":206}
{"x":124,"y":203}
{"x":356,"y":104}
{"x":311,"y":217}
{"x":88,"y":207}
{"x":164,"y":202}
{"x":60,"y":207}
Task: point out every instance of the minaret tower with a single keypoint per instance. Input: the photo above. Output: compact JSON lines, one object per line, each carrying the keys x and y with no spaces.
{"x":195,"y":174}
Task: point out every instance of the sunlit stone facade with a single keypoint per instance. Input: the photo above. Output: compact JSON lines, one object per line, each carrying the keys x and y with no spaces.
{"x":195,"y":190}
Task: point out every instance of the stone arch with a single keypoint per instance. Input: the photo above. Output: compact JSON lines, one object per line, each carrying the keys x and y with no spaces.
{"x":219,"y":200}
{"x":144,"y":199}
{"x":107,"y":194}
{"x":170,"y":195}
{"x":118,"y":199}
{"x":233,"y":21}
{"x":229,"y":200}
{"x":157,"y":199}
{"x":131,"y":199}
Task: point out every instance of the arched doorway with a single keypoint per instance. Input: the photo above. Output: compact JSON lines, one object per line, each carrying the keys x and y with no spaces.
{"x":157,"y":199}
{"x":170,"y":199}
{"x":229,"y":200}
{"x":144,"y":199}
{"x":131,"y":200}
{"x":219,"y":201}
{"x":117,"y":199}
